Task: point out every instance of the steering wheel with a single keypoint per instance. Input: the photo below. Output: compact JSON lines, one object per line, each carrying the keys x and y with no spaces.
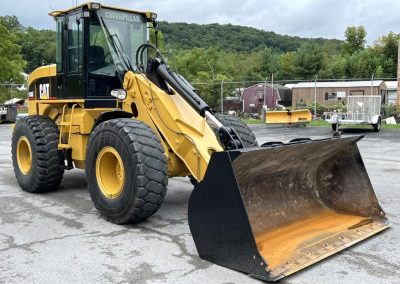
{"x":119,"y":67}
{"x":106,"y":56}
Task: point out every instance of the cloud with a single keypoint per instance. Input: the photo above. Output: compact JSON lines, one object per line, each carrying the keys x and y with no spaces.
{"x":305,"y":18}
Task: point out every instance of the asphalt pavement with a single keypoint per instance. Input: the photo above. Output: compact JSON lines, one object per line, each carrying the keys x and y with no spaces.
{"x":59,"y":237}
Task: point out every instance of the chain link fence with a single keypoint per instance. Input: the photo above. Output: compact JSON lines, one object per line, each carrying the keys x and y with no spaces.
{"x":224,"y":96}
{"x":13,"y":90}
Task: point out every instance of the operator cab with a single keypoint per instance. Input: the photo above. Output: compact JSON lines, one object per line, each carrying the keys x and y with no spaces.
{"x":96,"y":46}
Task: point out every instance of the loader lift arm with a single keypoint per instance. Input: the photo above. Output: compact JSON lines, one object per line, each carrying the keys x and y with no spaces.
{"x":228,"y":136}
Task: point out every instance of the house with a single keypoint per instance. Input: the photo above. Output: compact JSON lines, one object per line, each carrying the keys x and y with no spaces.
{"x":391,"y":92}
{"x":258,"y":95}
{"x":330,"y":93}
{"x":233,"y":104}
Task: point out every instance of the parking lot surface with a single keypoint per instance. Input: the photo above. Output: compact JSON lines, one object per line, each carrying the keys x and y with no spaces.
{"x":59,"y":237}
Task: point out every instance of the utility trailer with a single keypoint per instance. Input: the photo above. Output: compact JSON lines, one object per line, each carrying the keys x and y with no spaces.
{"x":361,"y":110}
{"x":8,"y":113}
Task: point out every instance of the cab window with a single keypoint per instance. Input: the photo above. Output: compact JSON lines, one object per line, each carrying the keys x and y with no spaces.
{"x":75,"y":43}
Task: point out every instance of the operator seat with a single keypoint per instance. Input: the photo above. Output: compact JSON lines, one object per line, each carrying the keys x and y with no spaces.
{"x":96,"y":58}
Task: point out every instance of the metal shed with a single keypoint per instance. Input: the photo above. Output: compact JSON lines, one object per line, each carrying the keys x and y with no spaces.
{"x":253,"y":97}
{"x":391,"y":92}
{"x":330,"y":93}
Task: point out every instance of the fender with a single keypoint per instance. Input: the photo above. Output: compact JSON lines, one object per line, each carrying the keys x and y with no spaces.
{"x":375,"y":119}
{"x":111,"y":115}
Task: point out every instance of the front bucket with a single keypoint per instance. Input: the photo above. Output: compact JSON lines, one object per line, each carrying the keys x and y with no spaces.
{"x":270,"y":212}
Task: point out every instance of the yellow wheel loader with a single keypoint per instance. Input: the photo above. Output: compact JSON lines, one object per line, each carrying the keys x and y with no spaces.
{"x":112,"y":107}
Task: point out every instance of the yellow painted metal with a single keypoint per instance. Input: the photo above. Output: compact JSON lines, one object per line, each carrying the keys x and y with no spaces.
{"x":300,"y":116}
{"x":61,"y":124}
{"x":42,"y":72}
{"x":76,"y":133}
{"x":89,"y":5}
{"x":78,"y":143}
{"x":110,"y":172}
{"x":187,"y":139}
{"x":183,"y":130}
{"x":24,"y":155}
{"x":71,"y":101}
{"x":65,"y":123}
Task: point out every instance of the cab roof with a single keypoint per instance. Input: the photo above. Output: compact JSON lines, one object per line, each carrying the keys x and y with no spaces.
{"x":89,"y":5}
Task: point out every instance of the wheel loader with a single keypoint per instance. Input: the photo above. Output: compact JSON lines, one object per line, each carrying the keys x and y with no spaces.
{"x":113,"y":107}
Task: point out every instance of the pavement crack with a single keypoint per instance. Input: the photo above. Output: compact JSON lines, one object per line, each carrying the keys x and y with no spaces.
{"x":27,"y":246}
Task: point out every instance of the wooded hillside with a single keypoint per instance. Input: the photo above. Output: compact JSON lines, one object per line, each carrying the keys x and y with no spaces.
{"x":231,"y":38}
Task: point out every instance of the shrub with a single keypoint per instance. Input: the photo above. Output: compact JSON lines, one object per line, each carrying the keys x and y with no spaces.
{"x":391,"y":110}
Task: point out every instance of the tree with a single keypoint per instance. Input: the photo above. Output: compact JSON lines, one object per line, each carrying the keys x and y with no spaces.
{"x":287,"y":65}
{"x":11,"y":23}
{"x":387,"y":46}
{"x":269,"y":63}
{"x":363,"y":64}
{"x":38,"y":48}
{"x":355,"y":39}
{"x":335,"y":68}
{"x":160,"y":38}
{"x":11,"y":62}
{"x":308,"y":61}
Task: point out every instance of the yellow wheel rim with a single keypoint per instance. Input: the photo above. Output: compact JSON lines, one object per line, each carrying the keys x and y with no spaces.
{"x":110,"y":172}
{"x":24,"y":155}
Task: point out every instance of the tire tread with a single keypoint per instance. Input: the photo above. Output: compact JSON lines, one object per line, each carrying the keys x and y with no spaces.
{"x":48,"y":171}
{"x":152,"y":178}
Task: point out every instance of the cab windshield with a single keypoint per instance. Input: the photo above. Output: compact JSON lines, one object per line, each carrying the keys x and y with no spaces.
{"x":123,"y":32}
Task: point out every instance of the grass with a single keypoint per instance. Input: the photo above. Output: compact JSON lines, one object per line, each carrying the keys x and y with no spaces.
{"x":252,"y":121}
{"x":22,"y":111}
{"x":323,"y":123}
{"x":391,"y":126}
{"x":319,"y":123}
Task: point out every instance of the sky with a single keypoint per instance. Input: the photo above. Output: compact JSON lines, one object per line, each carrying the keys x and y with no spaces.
{"x":304,"y":18}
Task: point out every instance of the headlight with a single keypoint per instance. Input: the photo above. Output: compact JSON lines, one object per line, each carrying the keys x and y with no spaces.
{"x":95,"y":6}
{"x":153,"y":16}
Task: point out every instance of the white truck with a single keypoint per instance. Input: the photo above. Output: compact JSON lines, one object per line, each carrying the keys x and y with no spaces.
{"x":361,"y":110}
{"x":8,"y":113}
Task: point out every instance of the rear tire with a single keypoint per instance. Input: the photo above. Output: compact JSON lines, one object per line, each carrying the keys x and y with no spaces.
{"x":245,"y":134}
{"x":38,"y":164}
{"x":377,"y":126}
{"x":144,"y":170}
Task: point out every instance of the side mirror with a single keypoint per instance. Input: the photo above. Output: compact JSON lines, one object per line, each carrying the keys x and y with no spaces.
{"x":119,"y":94}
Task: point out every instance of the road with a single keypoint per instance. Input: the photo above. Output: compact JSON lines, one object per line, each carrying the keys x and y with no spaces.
{"x":59,"y":237}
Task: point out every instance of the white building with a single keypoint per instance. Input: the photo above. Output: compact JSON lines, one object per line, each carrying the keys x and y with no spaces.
{"x":391,"y":92}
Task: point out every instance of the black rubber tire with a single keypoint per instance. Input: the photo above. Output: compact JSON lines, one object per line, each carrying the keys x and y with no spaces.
{"x":377,"y":126}
{"x":143,"y":156}
{"x":245,"y":134}
{"x":334,"y":127}
{"x":47,"y":161}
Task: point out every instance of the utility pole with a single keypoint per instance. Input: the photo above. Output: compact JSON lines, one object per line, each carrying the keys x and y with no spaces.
{"x":222,"y":97}
{"x":398,"y":76}
{"x":372,"y":84}
{"x":11,"y":91}
{"x":315,"y":97}
{"x":272,"y":85}
{"x":264,"y":97}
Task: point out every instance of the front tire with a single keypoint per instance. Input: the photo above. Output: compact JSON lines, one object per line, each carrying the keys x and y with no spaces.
{"x":38,"y":164}
{"x":126,"y":170}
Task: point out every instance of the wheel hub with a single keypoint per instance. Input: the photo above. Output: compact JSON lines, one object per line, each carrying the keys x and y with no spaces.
{"x":24,"y":155}
{"x":110,"y":172}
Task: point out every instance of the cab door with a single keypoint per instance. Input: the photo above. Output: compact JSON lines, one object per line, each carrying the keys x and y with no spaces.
{"x":74,"y":83}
